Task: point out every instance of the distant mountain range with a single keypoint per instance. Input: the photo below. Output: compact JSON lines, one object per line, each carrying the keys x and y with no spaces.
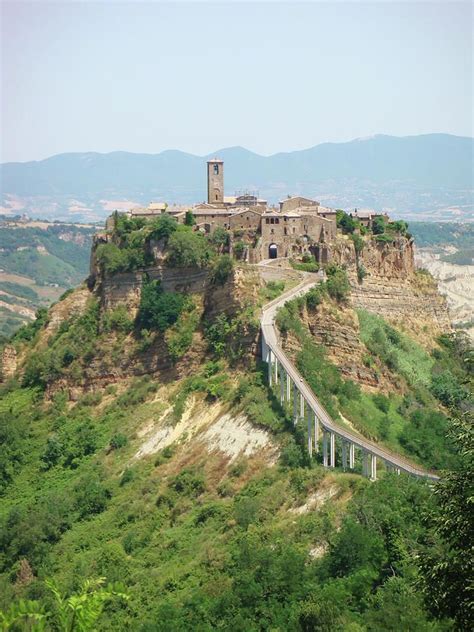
{"x":427,"y":176}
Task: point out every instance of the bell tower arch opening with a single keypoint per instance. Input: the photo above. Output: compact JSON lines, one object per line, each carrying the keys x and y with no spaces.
{"x":215,"y":181}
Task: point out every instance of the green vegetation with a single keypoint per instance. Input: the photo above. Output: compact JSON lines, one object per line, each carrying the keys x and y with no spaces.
{"x":192,"y":550}
{"x":96,"y":534}
{"x":413,"y":423}
{"x":22,"y":291}
{"x":308,"y":263}
{"x":222,"y":269}
{"x":271,"y":290}
{"x":159,"y":309}
{"x":394,"y":349}
{"x":62,"y":258}
{"x":226,"y":335}
{"x":337,"y":284}
{"x":188,"y":249}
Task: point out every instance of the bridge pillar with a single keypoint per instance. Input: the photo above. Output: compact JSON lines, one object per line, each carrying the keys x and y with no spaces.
{"x":344,"y":455}
{"x":301,"y":406}
{"x":351,"y":456}
{"x":269,"y":367}
{"x":316,"y":433}
{"x":288,"y":388}
{"x":333,"y":449}
{"x":373,"y":467}
{"x":282,"y":384}
{"x":397,"y":470}
{"x":276,"y":370}
{"x":310,"y":432}
{"x":325,"y":448}
{"x":365,"y":463}
{"x":295,"y":404}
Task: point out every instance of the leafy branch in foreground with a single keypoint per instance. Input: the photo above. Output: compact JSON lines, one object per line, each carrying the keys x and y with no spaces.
{"x":77,"y":613}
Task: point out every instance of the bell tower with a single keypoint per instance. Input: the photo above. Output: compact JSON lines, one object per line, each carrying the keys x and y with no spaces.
{"x":215,"y":181}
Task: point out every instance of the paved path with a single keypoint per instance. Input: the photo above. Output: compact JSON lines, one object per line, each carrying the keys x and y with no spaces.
{"x":271,"y":338}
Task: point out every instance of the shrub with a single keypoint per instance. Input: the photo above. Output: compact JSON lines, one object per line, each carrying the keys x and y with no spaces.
{"x":158,"y":309}
{"x":384,"y":239}
{"x":127,"y":476}
{"x":53,"y":453}
{"x":188,"y":483}
{"x":164,"y":226}
{"x":118,"y":441}
{"x":361,"y":273}
{"x":179,"y":337}
{"x":188,"y":249}
{"x":219,"y":238}
{"x":118,"y":319}
{"x":447,"y":389}
{"x":222,"y":269}
{"x":238,"y":249}
{"x":337,"y":285}
{"x":358,"y":243}
{"x":382,"y":402}
{"x":91,"y":496}
{"x":314,"y":297}
{"x":378,"y":225}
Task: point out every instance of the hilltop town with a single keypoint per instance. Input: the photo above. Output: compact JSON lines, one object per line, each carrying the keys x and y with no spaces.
{"x":298,"y":227}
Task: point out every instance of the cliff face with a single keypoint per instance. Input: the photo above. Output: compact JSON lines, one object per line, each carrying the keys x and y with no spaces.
{"x":392,"y":287}
{"x":119,"y":356}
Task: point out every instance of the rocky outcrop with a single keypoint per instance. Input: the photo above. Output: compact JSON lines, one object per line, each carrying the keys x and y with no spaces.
{"x":8,"y":363}
{"x":390,"y":286}
{"x":124,"y":288}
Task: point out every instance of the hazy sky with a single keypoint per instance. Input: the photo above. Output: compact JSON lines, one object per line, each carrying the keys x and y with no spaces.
{"x":143,"y":77}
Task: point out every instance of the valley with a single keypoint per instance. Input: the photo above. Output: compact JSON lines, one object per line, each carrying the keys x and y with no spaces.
{"x":39,"y":261}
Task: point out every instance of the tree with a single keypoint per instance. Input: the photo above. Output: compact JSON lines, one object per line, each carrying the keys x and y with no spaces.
{"x":337,"y":285}
{"x":163,"y":226}
{"x":222,"y":270}
{"x":187,"y":249}
{"x":378,"y":225}
{"x":345,"y":222}
{"x":189,"y":219}
{"x":447,"y":563}
{"x":219,"y":238}
{"x":158,"y":309}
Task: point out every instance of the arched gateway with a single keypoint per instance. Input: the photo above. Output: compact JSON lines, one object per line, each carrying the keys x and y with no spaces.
{"x":272,"y":251}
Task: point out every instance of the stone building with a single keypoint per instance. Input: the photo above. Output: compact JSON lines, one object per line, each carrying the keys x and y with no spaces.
{"x":215,"y":181}
{"x":299,"y":226}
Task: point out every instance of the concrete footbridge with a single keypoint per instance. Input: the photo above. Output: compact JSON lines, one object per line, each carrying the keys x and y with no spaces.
{"x":296,"y":394}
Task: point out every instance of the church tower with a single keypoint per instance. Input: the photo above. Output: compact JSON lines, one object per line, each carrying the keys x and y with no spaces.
{"x":215,"y":181}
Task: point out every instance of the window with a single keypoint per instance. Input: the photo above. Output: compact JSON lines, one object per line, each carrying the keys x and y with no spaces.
{"x":267,"y":221}
{"x":286,"y":231}
{"x":294,"y":230}
{"x":277,"y":220}
{"x":217,"y":196}
{"x":216,"y":170}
